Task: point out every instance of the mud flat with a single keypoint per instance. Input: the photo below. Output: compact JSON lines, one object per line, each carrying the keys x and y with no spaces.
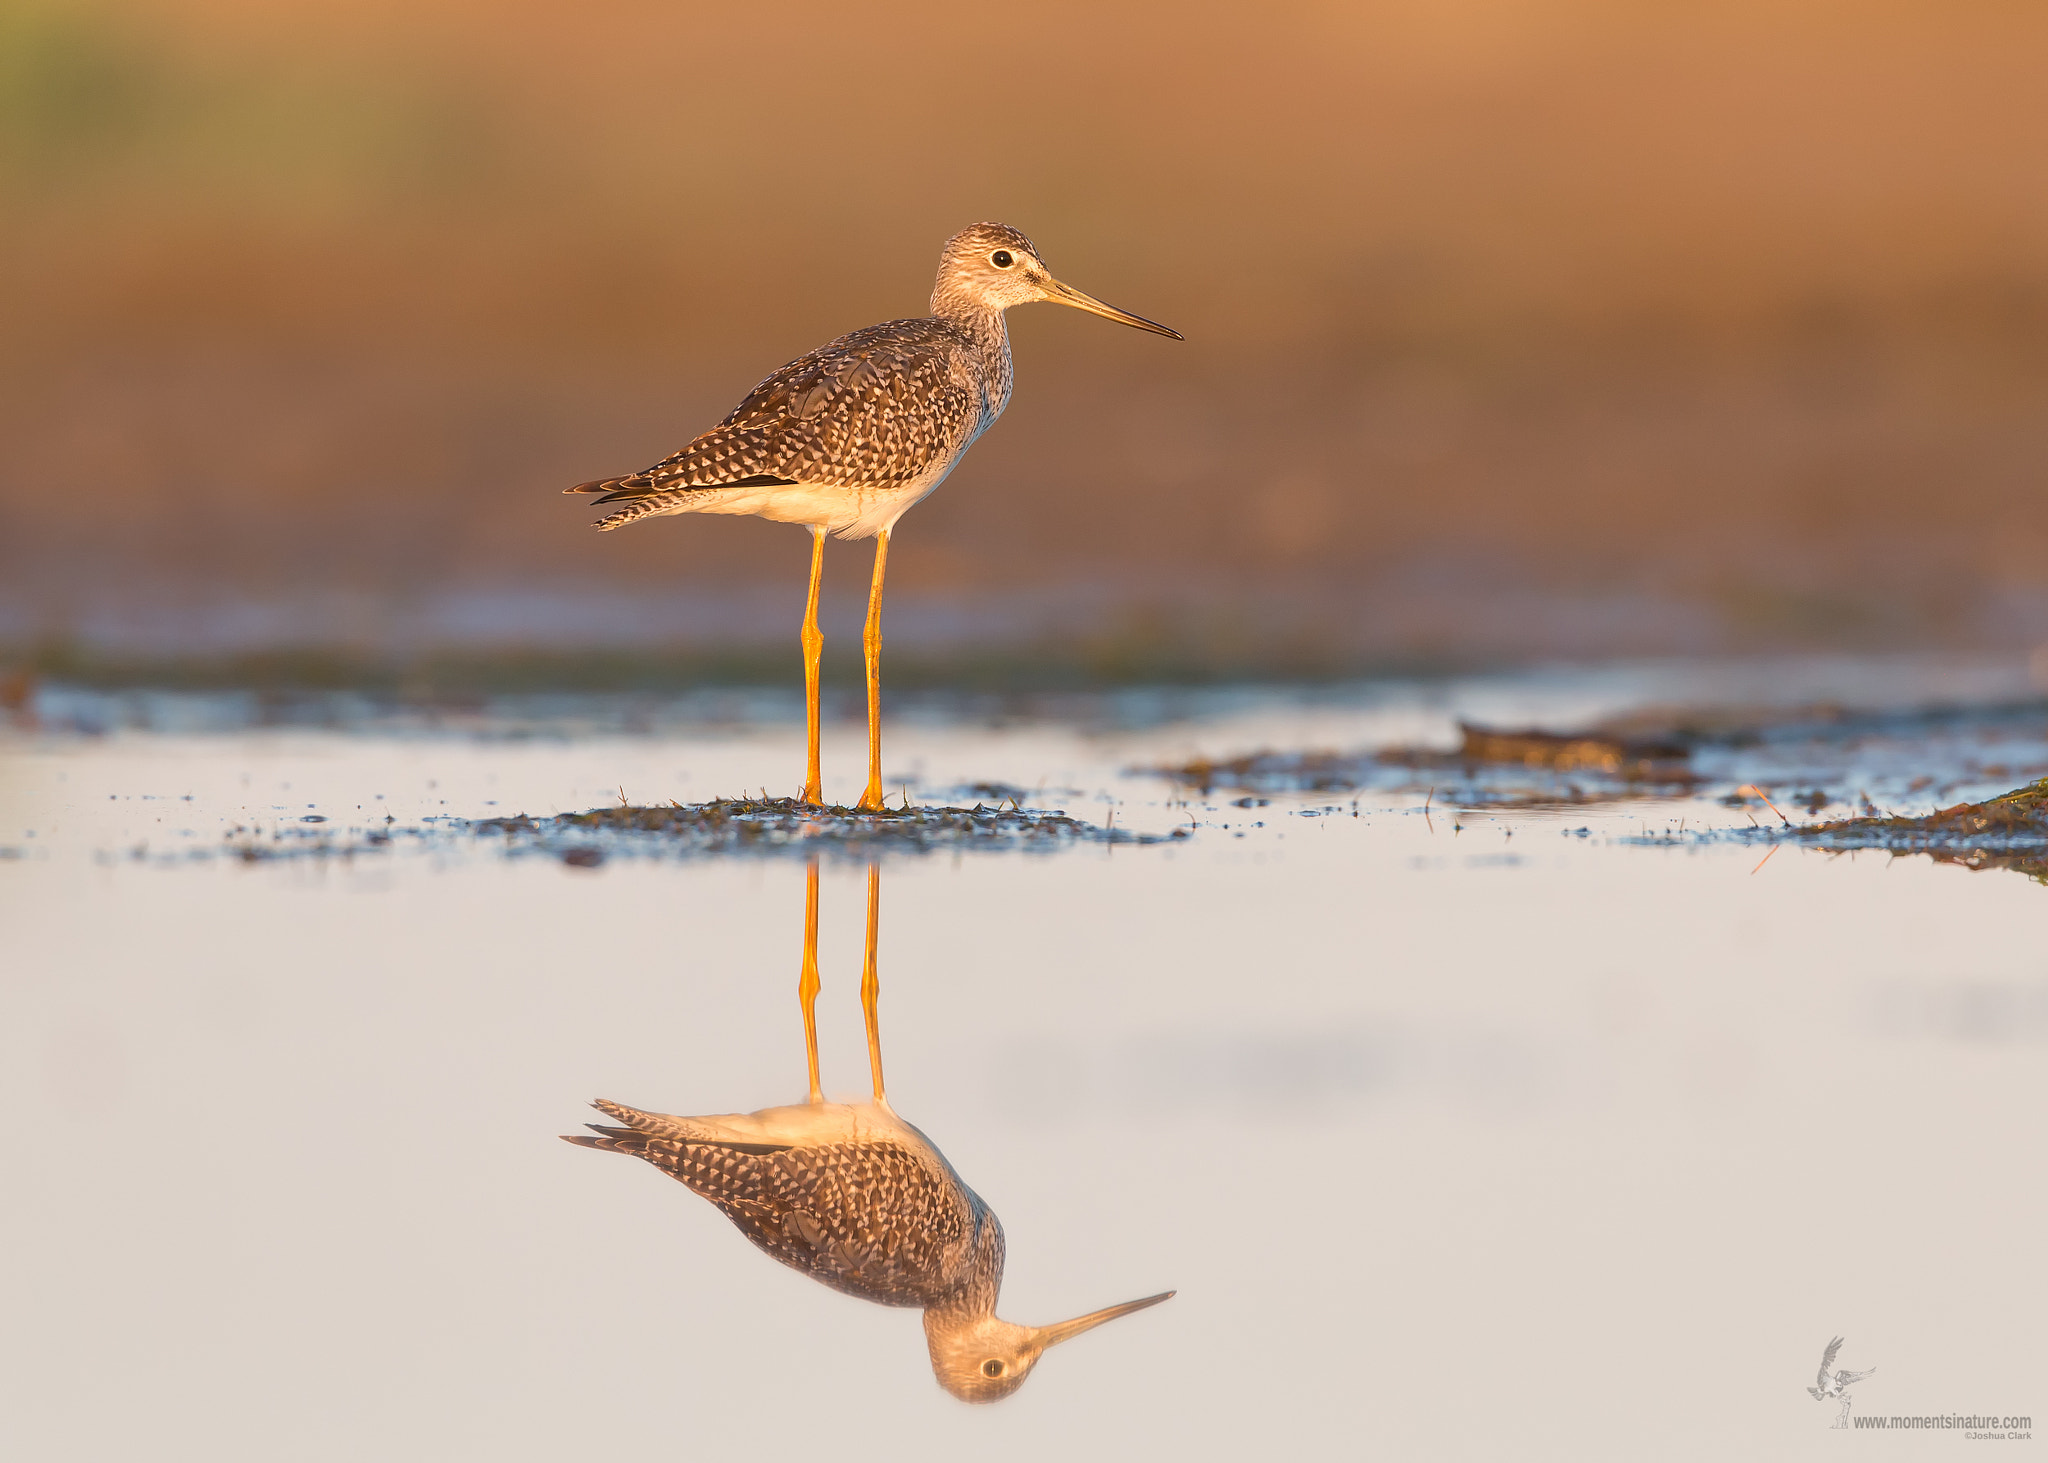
{"x":722,"y":826}
{"x":784,"y":825}
{"x":2006,"y":832}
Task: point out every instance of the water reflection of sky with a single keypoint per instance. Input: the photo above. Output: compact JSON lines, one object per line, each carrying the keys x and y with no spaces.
{"x":1495,"y":1141}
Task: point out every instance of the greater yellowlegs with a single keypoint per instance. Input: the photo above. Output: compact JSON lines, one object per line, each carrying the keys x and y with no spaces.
{"x":858,"y":1199}
{"x":846,"y":439}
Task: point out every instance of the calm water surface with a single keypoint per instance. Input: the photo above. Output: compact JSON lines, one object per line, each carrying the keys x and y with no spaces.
{"x":1541,"y":1131}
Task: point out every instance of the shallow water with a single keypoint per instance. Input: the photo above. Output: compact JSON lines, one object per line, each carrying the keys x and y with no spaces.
{"x":1462,"y":1131}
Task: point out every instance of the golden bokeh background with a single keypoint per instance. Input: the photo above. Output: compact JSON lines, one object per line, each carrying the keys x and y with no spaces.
{"x":1515,"y":327}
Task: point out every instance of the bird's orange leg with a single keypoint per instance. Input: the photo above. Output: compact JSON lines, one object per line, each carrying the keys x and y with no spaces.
{"x":871,"y":983}
{"x":871,"y":643}
{"x":807,"y":983}
{"x":814,"y":644}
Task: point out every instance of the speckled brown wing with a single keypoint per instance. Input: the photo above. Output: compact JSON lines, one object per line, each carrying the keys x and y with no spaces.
{"x":873,"y":410}
{"x":871,"y":1219}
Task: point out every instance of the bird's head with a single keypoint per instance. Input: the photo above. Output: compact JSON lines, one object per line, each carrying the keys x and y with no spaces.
{"x":992,"y":267}
{"x":984,"y":1359}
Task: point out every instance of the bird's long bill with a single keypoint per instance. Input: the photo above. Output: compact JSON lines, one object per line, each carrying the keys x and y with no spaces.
{"x":1066,"y":294}
{"x":1068,"y":1330}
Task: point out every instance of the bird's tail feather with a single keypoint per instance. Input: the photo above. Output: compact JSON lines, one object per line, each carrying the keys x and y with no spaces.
{"x":642,"y":498}
{"x":649,"y":483}
{"x":647,"y":505}
{"x":644,"y":1122}
{"x":643,"y":1128}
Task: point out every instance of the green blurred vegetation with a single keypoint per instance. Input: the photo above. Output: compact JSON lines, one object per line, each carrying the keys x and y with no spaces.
{"x":94,"y":105}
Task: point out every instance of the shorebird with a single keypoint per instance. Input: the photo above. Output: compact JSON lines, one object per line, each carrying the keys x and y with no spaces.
{"x":1836,"y":1385}
{"x":846,"y":439}
{"x":858,"y":1199}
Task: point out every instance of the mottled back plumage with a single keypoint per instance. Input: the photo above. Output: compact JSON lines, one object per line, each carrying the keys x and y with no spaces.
{"x":877,"y":1219}
{"x":874,"y":410}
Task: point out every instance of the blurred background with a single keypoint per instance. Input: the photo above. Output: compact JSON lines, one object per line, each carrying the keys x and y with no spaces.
{"x":1516,"y":329}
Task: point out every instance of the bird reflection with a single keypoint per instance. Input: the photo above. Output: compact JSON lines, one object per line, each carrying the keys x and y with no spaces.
{"x":858,"y":1199}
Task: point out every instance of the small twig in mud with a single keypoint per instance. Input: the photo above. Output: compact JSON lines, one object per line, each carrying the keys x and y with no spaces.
{"x":1750,"y":789}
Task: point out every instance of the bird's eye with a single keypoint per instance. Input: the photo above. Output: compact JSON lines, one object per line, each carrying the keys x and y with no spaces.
{"x":992,"y":1367}
{"x":1002,"y":259}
